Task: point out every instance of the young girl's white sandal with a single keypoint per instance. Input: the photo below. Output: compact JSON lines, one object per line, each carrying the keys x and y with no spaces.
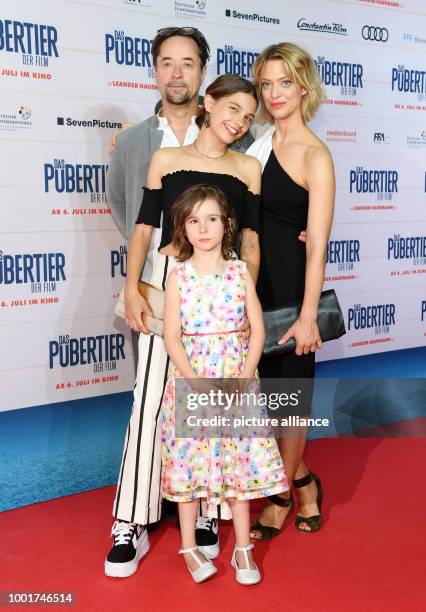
{"x":245,"y":576}
{"x":205,"y":570}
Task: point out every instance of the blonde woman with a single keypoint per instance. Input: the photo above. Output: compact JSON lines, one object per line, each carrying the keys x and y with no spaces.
{"x":298,"y":189}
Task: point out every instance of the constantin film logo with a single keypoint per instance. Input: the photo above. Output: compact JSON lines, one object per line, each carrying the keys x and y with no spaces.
{"x":375,"y":33}
{"x":328,"y":28}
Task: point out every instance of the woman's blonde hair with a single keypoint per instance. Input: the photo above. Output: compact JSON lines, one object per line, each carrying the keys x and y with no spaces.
{"x":303,"y":71}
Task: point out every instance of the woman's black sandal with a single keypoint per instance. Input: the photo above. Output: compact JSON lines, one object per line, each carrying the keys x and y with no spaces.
{"x":315,"y":521}
{"x":267,"y":532}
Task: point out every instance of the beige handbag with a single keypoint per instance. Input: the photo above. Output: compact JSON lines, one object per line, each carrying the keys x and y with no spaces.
{"x":155,"y":299}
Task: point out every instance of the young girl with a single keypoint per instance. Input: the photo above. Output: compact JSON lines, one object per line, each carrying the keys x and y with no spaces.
{"x":207,"y":294}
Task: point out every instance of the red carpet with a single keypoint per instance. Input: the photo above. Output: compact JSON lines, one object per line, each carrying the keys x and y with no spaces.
{"x":369,"y":555}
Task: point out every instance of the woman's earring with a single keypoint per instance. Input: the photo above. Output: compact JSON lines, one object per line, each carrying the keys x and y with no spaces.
{"x":207,"y":120}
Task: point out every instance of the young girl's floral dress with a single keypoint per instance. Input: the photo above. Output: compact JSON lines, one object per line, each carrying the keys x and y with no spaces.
{"x":212,"y":309}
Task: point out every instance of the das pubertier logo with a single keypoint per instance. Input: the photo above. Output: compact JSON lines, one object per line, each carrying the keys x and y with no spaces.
{"x":233,"y":60}
{"x":36,"y":44}
{"x":101,"y":352}
{"x":118,"y":262}
{"x":342,"y":78}
{"x":61,"y":177}
{"x":409,"y":81}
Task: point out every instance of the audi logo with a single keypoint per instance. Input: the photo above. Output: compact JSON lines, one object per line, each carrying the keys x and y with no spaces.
{"x":374,"y":33}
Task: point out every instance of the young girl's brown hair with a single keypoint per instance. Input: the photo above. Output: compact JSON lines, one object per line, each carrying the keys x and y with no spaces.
{"x":183,"y":207}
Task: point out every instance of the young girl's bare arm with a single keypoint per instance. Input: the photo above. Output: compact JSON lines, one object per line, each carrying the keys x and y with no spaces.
{"x":172,"y":329}
{"x":257,"y":336}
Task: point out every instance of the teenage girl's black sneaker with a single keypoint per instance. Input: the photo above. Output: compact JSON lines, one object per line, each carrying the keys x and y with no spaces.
{"x":130,"y":545}
{"x":207,"y":537}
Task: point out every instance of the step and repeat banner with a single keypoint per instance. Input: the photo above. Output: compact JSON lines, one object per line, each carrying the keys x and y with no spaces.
{"x":72,"y":73}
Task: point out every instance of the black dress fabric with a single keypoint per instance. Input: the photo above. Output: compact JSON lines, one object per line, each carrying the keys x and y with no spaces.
{"x":246,"y":205}
{"x":284,"y":214}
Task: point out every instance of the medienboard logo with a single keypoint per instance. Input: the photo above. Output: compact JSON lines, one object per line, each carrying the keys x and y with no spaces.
{"x":256,"y":17}
{"x":95,"y":123}
{"x":328,"y":28}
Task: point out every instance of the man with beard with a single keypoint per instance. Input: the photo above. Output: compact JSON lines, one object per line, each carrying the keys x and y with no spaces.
{"x":180,"y":56}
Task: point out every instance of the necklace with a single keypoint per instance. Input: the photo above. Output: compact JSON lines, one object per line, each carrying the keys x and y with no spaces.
{"x":209,"y":156}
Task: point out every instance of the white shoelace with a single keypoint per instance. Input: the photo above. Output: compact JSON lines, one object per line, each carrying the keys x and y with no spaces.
{"x":123,"y":532}
{"x":204,"y":523}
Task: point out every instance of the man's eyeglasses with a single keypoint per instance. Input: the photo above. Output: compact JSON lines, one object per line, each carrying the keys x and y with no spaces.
{"x":176,"y":30}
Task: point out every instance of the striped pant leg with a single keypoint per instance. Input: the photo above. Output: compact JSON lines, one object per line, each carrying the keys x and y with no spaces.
{"x":138,"y":498}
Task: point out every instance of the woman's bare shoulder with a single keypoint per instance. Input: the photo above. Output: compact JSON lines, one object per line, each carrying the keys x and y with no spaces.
{"x":247,"y":165}
{"x":316,"y":151}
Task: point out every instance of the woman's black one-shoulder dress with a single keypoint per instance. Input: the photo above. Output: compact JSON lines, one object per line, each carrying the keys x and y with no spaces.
{"x":284,"y":214}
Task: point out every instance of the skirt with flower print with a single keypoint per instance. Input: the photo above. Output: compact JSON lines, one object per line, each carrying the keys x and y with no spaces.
{"x":207,"y":467}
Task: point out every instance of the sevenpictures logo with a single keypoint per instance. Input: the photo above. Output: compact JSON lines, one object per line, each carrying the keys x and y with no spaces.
{"x":19,"y":120}
{"x":92,"y":123}
{"x":327,"y":28}
{"x":375,"y":33}
{"x":255,"y":17}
